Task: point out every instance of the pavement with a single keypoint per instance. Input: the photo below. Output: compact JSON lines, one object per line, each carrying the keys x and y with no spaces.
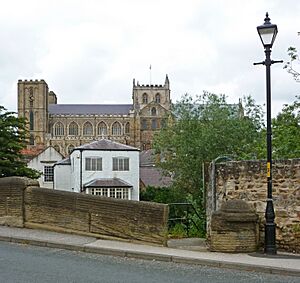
{"x":187,"y":251}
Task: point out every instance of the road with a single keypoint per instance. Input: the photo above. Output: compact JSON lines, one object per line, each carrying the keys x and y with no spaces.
{"x":24,"y":263}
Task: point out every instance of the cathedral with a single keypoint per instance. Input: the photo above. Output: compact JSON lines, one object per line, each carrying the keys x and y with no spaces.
{"x":66,"y":126}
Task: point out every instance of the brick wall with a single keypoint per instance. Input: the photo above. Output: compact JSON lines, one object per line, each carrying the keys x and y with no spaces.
{"x":84,"y":214}
{"x":247,"y":180}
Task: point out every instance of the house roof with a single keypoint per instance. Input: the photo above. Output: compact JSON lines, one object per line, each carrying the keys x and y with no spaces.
{"x":88,"y":109}
{"x":153,"y":176}
{"x":107,"y":183}
{"x":150,"y":175}
{"x":31,"y":153}
{"x":147,"y":157}
{"x":106,"y":145}
{"x":66,"y":161}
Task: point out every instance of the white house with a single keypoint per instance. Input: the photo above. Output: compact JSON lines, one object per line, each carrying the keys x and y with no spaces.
{"x":43,"y":161}
{"x":103,"y":167}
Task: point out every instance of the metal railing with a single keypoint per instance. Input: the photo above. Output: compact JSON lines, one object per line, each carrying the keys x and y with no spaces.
{"x":185,"y":213}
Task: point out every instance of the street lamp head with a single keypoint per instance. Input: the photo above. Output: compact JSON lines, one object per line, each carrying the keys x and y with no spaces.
{"x":267,"y":32}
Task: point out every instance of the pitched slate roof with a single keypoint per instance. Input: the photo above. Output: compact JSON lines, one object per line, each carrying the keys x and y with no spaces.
{"x":65,"y":161}
{"x":89,"y":109}
{"x":108,"y":145}
{"x":150,"y":175}
{"x":153,"y":176}
{"x":107,"y":183}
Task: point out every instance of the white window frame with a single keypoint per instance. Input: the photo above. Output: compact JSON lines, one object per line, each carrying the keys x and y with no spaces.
{"x":120,"y":193}
{"x":120,"y":163}
{"x":93,"y":163}
{"x":48,"y":173}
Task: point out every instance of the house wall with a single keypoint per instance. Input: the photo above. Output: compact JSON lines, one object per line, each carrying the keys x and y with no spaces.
{"x":131,"y":176}
{"x":48,"y":157}
{"x":62,"y":178}
{"x":247,"y":180}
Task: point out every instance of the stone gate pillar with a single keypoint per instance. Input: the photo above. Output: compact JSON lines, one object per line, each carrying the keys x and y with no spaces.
{"x":234,"y":228}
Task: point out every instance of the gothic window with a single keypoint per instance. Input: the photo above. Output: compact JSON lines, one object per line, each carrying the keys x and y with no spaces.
{"x":144,"y":124}
{"x":70,"y":148}
{"x":59,"y":129}
{"x":127,"y":128}
{"x":31,"y":121}
{"x":87,"y":129}
{"x":154,"y":124}
{"x":73,"y":129}
{"x":116,"y":129}
{"x":153,"y":111}
{"x":31,"y":140}
{"x":102,"y":129}
{"x":157,"y":98}
{"x":145,"y":98}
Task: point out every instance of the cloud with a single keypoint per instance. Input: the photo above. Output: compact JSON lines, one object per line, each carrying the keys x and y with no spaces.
{"x":90,"y":52}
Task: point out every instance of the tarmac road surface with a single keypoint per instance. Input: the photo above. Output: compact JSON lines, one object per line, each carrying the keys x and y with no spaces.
{"x":24,"y":263}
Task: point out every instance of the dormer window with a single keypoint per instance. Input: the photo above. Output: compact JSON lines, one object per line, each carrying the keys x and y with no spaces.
{"x":145,"y":98}
{"x":157,"y":98}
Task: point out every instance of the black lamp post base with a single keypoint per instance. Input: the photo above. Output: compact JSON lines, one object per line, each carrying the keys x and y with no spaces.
{"x":270,"y":238}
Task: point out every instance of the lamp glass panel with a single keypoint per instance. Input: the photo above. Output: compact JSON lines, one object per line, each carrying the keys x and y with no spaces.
{"x":267,"y":35}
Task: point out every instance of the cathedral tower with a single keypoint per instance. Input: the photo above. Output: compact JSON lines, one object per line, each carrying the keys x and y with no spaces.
{"x":151,"y":105}
{"x":33,"y":105}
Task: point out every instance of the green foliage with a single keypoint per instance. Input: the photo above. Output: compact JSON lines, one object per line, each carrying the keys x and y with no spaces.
{"x":290,"y":65}
{"x":286,"y":132}
{"x":12,"y":141}
{"x":178,"y":231}
{"x":163,"y":195}
{"x":204,"y":129}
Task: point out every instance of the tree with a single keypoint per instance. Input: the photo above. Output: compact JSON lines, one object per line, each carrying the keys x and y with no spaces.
{"x":204,"y":129}
{"x":13,"y":135}
{"x":286,"y":131}
{"x":290,"y":65}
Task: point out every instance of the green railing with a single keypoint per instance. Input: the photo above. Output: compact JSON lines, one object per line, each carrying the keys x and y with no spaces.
{"x":186,"y":214}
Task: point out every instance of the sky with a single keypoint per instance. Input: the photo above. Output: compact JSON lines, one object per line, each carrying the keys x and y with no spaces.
{"x":90,"y":51}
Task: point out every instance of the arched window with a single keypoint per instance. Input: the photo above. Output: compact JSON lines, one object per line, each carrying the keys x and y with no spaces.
{"x":57,"y":148}
{"x":31,"y":140}
{"x":73,"y":129}
{"x":59,"y":129}
{"x":127,"y":128}
{"x":154,"y":124}
{"x":157,"y":98}
{"x":116,"y":129}
{"x":144,"y":124}
{"x":153,"y":111}
{"x":102,"y":129}
{"x":31,"y":121}
{"x":87,"y":129}
{"x":145,"y":98}
{"x":70,"y":148}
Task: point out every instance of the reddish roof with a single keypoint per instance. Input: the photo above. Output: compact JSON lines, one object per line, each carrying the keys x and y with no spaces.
{"x":30,"y":153}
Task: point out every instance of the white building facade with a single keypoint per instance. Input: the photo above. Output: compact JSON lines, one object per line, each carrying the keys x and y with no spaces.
{"x":44,"y":162}
{"x":103,"y":167}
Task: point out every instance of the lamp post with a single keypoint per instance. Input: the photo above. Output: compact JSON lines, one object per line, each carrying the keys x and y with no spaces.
{"x":267,"y":33}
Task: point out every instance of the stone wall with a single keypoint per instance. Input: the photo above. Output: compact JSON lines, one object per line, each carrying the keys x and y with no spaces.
{"x":24,"y":204}
{"x":247,"y":180}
